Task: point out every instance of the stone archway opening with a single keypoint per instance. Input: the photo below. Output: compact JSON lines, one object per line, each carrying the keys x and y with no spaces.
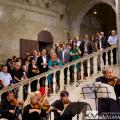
{"x":101,"y":17}
{"x":45,"y":40}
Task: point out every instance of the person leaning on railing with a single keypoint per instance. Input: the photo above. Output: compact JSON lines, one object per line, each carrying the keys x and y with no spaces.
{"x":42,"y":63}
{"x":5,"y":77}
{"x":64,"y":56}
{"x":53,"y":63}
{"x":74,"y":55}
{"x":113,"y":40}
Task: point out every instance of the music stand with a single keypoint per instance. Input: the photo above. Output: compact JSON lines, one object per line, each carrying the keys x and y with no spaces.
{"x":94,"y":91}
{"x":75,"y":108}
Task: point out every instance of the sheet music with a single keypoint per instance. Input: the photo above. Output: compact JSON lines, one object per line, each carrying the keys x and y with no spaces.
{"x":102,"y":90}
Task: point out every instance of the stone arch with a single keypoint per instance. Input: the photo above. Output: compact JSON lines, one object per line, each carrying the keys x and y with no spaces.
{"x":83,"y":11}
{"x":45,"y":39}
{"x":96,"y":19}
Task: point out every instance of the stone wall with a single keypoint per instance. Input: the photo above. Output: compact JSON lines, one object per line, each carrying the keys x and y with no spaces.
{"x":22,"y":20}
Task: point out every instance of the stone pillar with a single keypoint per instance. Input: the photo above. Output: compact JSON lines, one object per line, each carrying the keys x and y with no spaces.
{"x":118,"y":26}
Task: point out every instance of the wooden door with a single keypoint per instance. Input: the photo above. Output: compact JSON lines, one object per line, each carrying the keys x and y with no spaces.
{"x":27,"y":46}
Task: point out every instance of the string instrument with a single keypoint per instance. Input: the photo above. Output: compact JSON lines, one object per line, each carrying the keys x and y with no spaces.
{"x":15,"y":102}
{"x":44,"y":103}
{"x":113,"y":81}
{"x":65,"y":106}
{"x":36,"y":105}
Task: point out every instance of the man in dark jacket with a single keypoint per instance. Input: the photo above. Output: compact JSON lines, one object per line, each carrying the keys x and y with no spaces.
{"x":42,"y":63}
{"x":60,"y":105}
{"x":86,"y":49}
{"x":64,"y":56}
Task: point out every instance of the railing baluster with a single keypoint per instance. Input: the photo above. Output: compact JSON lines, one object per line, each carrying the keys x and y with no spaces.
{"x":95,"y":64}
{"x":68,"y":76}
{"x":88,"y":67}
{"x":82,"y":71}
{"x":75,"y":72}
{"x":111,"y":57}
{"x":38,"y":84}
{"x":29,"y":87}
{"x":46,"y":84}
{"x":20,"y":92}
{"x":107,"y":58}
{"x":101,"y":61}
{"x":61,"y":79}
{"x":54,"y":83}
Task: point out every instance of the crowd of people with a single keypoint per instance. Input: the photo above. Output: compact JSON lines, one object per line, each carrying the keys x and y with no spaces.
{"x":17,"y":69}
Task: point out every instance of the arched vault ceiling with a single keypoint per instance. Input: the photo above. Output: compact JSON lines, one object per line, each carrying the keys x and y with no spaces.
{"x":76,"y":7}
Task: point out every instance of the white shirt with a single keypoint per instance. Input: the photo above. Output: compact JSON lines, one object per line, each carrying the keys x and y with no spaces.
{"x":113,"y":40}
{"x":44,"y":61}
{"x":5,"y":78}
{"x":78,"y":43}
{"x":85,"y":47}
{"x":63,"y":54}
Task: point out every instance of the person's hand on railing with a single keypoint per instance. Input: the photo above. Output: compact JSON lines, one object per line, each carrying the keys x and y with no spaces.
{"x":56,"y":66}
{"x":101,"y":49}
{"x":12,"y":111}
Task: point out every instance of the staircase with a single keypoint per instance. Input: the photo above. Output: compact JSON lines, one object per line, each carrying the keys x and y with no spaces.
{"x":72,"y":88}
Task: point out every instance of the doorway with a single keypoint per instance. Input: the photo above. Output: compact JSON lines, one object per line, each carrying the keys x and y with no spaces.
{"x":27,"y":46}
{"x":45,"y":40}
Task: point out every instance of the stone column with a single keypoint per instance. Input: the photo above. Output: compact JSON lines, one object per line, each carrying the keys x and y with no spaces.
{"x":118,"y":26}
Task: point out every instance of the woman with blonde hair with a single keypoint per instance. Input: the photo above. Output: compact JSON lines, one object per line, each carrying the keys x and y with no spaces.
{"x":31,"y":110}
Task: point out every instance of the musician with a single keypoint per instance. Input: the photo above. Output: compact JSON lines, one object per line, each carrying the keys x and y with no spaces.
{"x":42,"y":100}
{"x":104,"y":78}
{"x":59,"y":106}
{"x":35,"y":106}
{"x":11,"y":106}
{"x":32,"y":111}
{"x":109,"y":78}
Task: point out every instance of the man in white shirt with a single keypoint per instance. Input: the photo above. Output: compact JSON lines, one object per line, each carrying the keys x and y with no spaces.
{"x":5,"y":77}
{"x":113,"y":40}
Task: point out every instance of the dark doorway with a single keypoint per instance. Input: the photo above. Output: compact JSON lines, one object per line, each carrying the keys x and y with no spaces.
{"x":43,"y":45}
{"x":27,"y":46}
{"x":101,"y":17}
{"x":45,"y":40}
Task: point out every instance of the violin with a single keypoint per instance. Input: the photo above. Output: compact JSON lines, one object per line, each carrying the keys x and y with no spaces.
{"x":113,"y":81}
{"x":16,"y":102}
{"x":35,"y":105}
{"x":44,"y":103}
